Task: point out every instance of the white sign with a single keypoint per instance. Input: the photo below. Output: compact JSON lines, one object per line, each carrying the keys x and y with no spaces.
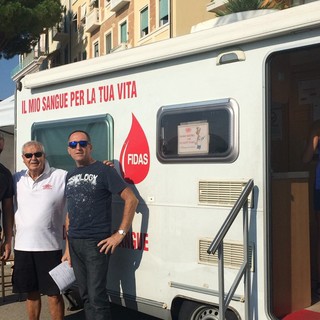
{"x":193,"y":138}
{"x":63,"y":276}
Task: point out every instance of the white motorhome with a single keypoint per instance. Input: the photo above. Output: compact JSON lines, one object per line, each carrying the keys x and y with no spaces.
{"x":197,"y":125}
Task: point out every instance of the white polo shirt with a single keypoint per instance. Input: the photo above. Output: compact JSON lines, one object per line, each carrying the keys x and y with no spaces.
{"x":40,"y":210}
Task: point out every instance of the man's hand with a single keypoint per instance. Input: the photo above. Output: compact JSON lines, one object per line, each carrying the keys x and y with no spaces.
{"x":5,"y":250}
{"x":108,"y":163}
{"x":7,"y":220}
{"x":66,"y":257}
{"x":109,"y":244}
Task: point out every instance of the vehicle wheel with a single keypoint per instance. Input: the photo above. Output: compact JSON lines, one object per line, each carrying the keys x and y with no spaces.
{"x":195,"y":311}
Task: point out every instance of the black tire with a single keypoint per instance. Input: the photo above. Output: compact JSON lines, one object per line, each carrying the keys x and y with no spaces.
{"x":196,"y":311}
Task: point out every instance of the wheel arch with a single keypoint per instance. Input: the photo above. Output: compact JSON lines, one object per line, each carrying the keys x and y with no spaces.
{"x":179,"y":301}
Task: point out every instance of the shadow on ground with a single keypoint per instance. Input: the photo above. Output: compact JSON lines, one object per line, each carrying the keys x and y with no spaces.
{"x":13,"y":307}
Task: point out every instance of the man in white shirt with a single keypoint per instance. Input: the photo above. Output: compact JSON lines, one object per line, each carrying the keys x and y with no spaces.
{"x":39,"y":218}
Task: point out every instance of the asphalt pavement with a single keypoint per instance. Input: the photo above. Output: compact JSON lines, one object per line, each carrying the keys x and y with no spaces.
{"x":13,"y":306}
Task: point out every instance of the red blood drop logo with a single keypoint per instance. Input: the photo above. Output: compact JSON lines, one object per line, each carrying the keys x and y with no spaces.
{"x":135,"y":154}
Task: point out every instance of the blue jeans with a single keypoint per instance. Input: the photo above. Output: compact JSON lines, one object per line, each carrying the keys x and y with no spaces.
{"x":90,"y":268}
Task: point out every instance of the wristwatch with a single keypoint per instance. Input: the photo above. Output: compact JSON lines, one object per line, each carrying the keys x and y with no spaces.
{"x":122,"y":232}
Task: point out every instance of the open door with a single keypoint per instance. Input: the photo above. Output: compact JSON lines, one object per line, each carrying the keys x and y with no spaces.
{"x":294,"y":104}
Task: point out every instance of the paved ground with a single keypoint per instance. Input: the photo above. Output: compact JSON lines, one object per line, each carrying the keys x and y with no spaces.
{"x":13,"y":306}
{"x":14,"y":309}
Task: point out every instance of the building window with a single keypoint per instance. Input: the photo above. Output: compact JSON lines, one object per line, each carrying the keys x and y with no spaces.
{"x":107,"y":2}
{"x":163,"y":12}
{"x":144,"y":22}
{"x":56,"y":61}
{"x":198,"y":132}
{"x":66,"y":55}
{"x":96,"y":49}
{"x":84,"y":55}
{"x":300,"y":2}
{"x":83,"y":13}
{"x":94,"y":3}
{"x":123,"y":32}
{"x":108,"y":43}
{"x":75,"y":23}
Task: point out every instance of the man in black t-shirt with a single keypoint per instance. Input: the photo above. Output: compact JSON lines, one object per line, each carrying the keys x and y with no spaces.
{"x":6,"y":199}
{"x":89,"y":190}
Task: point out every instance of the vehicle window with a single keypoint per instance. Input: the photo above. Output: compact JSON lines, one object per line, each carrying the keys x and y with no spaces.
{"x":198,"y":132}
{"x":54,"y":136}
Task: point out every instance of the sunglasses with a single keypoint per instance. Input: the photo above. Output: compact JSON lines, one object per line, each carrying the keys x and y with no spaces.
{"x":36,"y":154}
{"x":82,"y":144}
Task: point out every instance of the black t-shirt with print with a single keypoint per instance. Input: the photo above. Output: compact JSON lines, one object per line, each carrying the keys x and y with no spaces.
{"x":89,"y":192}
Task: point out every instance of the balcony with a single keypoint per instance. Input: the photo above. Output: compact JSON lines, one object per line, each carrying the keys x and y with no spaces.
{"x":121,"y":47}
{"x":116,"y":5}
{"x":59,"y":33}
{"x":92,"y":20}
{"x":213,"y":5}
{"x":31,"y":63}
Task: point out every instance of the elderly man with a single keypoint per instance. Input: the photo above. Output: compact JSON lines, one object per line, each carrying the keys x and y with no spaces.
{"x":6,"y":195}
{"x":39,"y":218}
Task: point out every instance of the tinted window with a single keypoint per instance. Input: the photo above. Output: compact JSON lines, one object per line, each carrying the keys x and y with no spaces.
{"x":203,"y":131}
{"x":54,"y":136}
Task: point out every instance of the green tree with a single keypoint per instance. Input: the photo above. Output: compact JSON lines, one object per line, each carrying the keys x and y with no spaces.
{"x":232,"y":6}
{"x":22,"y":22}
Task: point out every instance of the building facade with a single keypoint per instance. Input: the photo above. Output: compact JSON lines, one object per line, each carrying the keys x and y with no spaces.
{"x":91,"y":28}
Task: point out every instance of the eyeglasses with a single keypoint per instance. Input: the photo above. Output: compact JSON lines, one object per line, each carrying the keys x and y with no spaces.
{"x":82,"y":144}
{"x":36,"y":154}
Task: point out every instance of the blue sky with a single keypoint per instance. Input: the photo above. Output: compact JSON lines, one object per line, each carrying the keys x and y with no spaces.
{"x":7,"y":86}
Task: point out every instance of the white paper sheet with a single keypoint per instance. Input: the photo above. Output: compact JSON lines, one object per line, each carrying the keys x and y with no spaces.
{"x":63,"y":276}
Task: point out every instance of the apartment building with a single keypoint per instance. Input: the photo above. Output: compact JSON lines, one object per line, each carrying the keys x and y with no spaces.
{"x":91,"y":28}
{"x":108,"y":26}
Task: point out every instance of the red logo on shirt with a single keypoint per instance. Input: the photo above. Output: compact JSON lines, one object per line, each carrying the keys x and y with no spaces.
{"x":135,"y":154}
{"x":47,"y":187}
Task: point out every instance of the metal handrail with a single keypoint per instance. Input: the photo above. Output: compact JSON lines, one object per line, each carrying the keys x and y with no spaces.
{"x":217,"y":244}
